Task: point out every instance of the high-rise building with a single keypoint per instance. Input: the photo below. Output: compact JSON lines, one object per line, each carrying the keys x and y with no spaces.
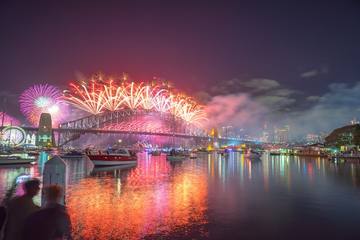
{"x":227,"y":131}
{"x":44,"y":136}
{"x":281,"y":135}
{"x":265,"y":136}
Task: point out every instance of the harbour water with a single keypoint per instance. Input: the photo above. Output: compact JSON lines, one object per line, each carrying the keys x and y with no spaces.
{"x":211,"y":197}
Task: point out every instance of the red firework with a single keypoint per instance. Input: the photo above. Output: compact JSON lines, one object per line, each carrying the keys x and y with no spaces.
{"x":96,"y":96}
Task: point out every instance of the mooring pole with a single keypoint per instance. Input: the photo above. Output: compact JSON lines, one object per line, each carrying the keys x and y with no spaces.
{"x":54,"y":174}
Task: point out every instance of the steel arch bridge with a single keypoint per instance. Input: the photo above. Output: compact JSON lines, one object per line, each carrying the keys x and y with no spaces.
{"x":127,"y":121}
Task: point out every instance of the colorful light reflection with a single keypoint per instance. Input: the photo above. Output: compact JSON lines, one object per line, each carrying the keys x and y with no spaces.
{"x":150,"y":200}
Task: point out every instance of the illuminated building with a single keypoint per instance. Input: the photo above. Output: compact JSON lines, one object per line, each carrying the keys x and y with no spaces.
{"x":227,"y":131}
{"x":281,"y":135}
{"x":45,"y":136}
{"x":265,"y":134}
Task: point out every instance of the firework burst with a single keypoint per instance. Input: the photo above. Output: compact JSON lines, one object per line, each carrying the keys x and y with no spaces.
{"x":113,"y":98}
{"x":98,"y":95}
{"x":86,"y":96}
{"x":42,"y":98}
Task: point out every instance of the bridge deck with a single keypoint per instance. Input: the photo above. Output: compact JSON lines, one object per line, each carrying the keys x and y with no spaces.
{"x":102,"y":131}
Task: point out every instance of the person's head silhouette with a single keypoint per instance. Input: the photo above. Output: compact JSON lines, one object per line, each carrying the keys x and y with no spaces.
{"x":32,"y":187}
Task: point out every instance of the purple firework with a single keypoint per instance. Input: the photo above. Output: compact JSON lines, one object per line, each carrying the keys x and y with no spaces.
{"x":42,"y":98}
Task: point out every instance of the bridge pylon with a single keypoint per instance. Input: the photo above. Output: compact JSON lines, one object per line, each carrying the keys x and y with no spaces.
{"x":214,"y":135}
{"x":45,"y":137}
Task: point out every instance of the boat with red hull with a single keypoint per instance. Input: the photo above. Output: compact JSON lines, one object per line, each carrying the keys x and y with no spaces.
{"x":112,"y":157}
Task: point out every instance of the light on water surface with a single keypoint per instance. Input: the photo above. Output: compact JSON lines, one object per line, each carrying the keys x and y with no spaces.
{"x":211,"y":197}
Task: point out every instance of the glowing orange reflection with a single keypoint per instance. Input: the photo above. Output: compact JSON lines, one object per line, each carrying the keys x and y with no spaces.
{"x":150,"y":200}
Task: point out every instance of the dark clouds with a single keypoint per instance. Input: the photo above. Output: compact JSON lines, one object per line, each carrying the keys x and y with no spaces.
{"x":333,"y":109}
{"x":268,"y":101}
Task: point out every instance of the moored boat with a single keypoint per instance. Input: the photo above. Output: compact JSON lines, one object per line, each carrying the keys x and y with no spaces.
{"x":112,"y":157}
{"x":155,"y":153}
{"x":72,"y":154}
{"x":6,"y":160}
{"x":175,"y":157}
{"x":253,"y":155}
{"x":33,"y":153}
{"x":193,"y":156}
{"x":275,"y":153}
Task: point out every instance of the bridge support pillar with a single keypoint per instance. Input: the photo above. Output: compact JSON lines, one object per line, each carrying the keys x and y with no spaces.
{"x":45,"y":137}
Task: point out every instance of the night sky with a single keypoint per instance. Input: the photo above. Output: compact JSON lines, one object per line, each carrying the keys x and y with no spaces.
{"x":303,"y":46}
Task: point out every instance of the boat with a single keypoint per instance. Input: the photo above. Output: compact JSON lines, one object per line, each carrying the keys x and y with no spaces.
{"x":193,"y":156}
{"x":335,"y":159}
{"x":253,"y":155}
{"x":351,"y":157}
{"x":175,"y":157}
{"x":11,"y":159}
{"x":72,"y":154}
{"x":155,"y":153}
{"x":275,"y":153}
{"x":33,"y":153}
{"x":112,"y":157}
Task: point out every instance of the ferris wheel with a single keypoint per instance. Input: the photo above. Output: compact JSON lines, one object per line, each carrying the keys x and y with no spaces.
{"x":12,"y":135}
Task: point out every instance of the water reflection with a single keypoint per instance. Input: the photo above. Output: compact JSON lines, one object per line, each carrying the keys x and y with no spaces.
{"x":154,"y":198}
{"x":216,"y":197}
{"x":8,"y":174}
{"x":76,"y":169}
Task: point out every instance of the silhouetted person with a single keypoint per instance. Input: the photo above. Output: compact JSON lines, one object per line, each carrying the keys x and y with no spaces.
{"x":50,"y":223}
{"x":19,"y":208}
